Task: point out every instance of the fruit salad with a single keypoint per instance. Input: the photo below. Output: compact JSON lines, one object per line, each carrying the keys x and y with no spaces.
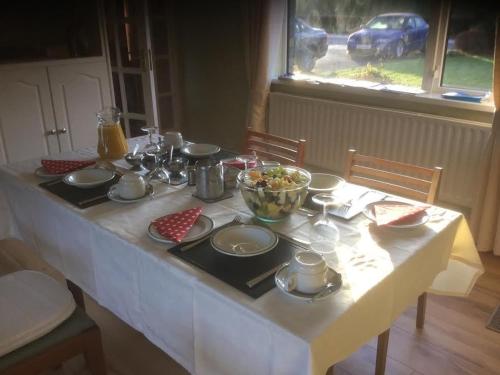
{"x":274,"y":193}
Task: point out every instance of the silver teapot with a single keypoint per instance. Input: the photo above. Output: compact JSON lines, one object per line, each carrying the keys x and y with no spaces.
{"x":209,"y":179}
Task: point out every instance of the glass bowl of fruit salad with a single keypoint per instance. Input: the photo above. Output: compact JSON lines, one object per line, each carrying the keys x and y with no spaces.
{"x":273,"y":193}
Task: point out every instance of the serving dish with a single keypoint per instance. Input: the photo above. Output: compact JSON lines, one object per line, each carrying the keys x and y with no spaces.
{"x":244,"y":240}
{"x":202,"y":227}
{"x":43,"y":173}
{"x":88,"y":178}
{"x":274,"y":193}
{"x":325,"y":183}
{"x":199,"y":149}
{"x":413,"y":223}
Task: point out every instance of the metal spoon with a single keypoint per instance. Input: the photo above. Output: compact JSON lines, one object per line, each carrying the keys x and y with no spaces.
{"x":327,"y":289}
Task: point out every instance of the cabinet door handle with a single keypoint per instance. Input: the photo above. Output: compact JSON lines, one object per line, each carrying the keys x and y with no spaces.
{"x":51,"y":132}
{"x":62,"y":131}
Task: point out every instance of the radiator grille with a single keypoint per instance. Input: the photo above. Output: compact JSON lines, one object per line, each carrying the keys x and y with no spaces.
{"x":331,"y":128}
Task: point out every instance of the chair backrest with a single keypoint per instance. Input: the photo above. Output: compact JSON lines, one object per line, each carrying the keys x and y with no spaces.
{"x":404,"y":179}
{"x":272,"y":147}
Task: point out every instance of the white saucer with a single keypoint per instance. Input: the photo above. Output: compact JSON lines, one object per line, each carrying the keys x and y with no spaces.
{"x":114,"y":196}
{"x":199,"y":149}
{"x":43,"y":173}
{"x":201,"y":228}
{"x":244,"y":240}
{"x":88,"y":178}
{"x":280,"y":279}
{"x":420,"y":220}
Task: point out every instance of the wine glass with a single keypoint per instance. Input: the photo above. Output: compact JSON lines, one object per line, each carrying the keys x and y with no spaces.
{"x":324,"y":233}
{"x":158,"y":172}
{"x":150,"y":130}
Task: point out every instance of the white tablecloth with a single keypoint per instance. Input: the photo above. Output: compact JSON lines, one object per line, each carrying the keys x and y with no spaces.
{"x":206,"y":325}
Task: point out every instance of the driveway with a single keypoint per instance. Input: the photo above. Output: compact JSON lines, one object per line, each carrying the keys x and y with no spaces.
{"x":337,"y":58}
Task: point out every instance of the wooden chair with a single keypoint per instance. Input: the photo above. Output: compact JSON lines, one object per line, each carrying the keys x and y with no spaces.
{"x":403,"y":179}
{"x":272,"y":147}
{"x":78,"y":334}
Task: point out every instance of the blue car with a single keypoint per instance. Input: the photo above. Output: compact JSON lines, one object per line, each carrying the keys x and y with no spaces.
{"x":389,"y":35}
{"x":311,"y":44}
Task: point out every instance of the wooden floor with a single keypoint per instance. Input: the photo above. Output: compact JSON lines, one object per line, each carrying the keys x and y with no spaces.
{"x":453,"y":341}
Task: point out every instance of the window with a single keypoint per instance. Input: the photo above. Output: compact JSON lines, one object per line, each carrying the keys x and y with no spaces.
{"x":383,"y":44}
{"x":470,"y":46}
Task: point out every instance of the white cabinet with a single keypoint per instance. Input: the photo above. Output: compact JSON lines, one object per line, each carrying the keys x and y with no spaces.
{"x":26,"y":115}
{"x":48,"y":108}
{"x":78,"y":92}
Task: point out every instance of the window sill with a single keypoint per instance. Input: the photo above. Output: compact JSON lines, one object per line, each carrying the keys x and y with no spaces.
{"x":432,"y":104}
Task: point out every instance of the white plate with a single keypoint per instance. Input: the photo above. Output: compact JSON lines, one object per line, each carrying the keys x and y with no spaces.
{"x":324,"y":183}
{"x":244,"y":240}
{"x":201,"y":228}
{"x":200,"y":149}
{"x":88,"y":178}
{"x":43,"y":173}
{"x":420,"y":220}
{"x":114,"y":196}
{"x":331,"y":277}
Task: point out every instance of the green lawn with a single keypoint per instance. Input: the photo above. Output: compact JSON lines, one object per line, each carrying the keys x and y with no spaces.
{"x":460,"y":71}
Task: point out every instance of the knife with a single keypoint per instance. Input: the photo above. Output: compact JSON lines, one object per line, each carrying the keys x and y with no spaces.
{"x":257,"y":279}
{"x":92,"y":199}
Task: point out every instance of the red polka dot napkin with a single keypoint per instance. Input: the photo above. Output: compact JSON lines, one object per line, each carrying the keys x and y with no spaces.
{"x":65,"y":166}
{"x":176,"y":226}
{"x":397,"y":213}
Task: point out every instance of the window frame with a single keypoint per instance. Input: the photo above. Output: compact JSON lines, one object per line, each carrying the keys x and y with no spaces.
{"x":434,"y":63}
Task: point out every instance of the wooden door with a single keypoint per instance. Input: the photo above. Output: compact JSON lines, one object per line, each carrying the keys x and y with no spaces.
{"x":79,"y":91}
{"x":27,"y":126}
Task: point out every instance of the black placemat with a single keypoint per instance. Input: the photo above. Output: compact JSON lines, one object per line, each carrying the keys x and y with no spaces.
{"x":81,"y":198}
{"x":236,"y":271}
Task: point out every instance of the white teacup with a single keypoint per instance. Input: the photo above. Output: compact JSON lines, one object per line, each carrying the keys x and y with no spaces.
{"x":173,"y":138}
{"x":131,"y":186}
{"x":307,"y":272}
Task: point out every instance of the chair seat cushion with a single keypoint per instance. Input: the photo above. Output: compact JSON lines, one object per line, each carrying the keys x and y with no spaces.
{"x":31,"y":305}
{"x":15,"y":255}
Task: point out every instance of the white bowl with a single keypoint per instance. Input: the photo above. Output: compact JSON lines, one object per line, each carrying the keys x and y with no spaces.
{"x":89,"y":178}
{"x":200,"y":149}
{"x":244,"y":240}
{"x":324,"y":183}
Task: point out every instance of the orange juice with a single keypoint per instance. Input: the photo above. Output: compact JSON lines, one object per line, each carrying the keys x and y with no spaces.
{"x":112,"y":143}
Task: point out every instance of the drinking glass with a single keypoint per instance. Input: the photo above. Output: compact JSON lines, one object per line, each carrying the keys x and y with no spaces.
{"x":246,"y":159}
{"x":324,"y":233}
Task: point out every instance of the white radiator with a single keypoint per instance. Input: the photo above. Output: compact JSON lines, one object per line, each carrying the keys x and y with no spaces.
{"x":331,"y":128}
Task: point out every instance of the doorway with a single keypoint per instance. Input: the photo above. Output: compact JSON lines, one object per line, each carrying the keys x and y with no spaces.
{"x":142,"y":64}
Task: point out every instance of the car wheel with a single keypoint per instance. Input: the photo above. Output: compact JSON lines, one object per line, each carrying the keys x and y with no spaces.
{"x":399,"y":49}
{"x":306,"y":63}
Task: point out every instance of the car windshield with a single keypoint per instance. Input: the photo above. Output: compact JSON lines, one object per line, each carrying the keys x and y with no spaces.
{"x":386,"y":22}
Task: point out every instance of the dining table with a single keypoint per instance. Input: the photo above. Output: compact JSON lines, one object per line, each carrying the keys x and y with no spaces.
{"x":208,"y":326}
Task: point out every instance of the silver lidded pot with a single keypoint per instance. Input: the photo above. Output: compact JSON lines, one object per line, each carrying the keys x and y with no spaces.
{"x":209,"y":179}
